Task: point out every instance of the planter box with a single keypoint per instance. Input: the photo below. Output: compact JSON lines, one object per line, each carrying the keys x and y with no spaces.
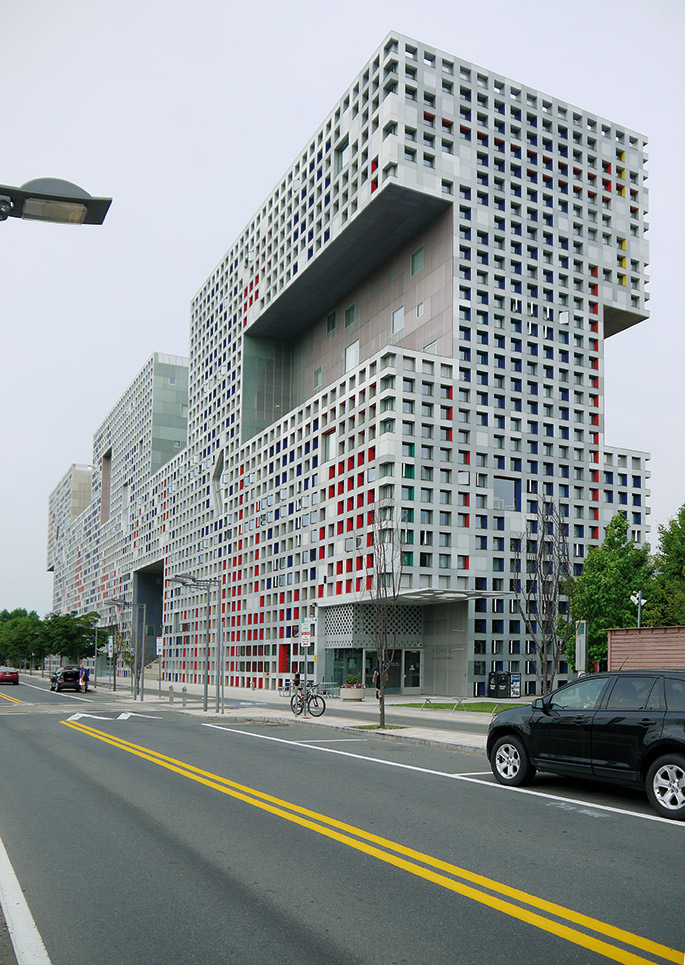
{"x":352,"y":693}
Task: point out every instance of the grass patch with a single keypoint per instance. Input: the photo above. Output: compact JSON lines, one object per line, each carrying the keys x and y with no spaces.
{"x":378,"y":727}
{"x":485,"y":707}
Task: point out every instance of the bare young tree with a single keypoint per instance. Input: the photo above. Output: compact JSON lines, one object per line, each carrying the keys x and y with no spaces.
{"x":542,"y":587}
{"x":383,"y":590}
{"x":122,"y":649}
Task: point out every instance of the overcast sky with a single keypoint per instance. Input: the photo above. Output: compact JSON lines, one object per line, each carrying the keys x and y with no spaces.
{"x":186,"y":114}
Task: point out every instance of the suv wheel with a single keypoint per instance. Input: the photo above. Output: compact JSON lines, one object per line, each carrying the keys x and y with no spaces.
{"x":510,"y":763}
{"x":665,"y":786}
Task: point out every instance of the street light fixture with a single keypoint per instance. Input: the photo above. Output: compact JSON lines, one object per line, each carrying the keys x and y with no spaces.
{"x":206,"y":583}
{"x":638,"y":599}
{"x":122,"y":604}
{"x":52,"y":199}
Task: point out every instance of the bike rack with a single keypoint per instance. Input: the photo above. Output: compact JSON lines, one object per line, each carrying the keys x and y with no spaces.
{"x":459,"y":703}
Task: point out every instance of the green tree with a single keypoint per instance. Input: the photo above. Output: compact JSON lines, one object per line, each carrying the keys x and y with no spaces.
{"x":612,"y":573}
{"x":70,"y":635}
{"x":665,"y":597}
{"x":22,"y":637}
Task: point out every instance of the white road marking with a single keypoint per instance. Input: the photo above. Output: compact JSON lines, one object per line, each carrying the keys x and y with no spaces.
{"x":28,"y":945}
{"x":331,"y":750}
{"x":471,"y":774}
{"x":61,"y":693}
{"x":337,"y":740}
{"x":460,"y":777}
{"x":575,"y":802}
{"x":126,"y":715}
{"x":93,"y":716}
{"x":123,"y":716}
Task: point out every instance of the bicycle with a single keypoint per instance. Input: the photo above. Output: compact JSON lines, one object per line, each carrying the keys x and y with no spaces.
{"x":316,"y":705}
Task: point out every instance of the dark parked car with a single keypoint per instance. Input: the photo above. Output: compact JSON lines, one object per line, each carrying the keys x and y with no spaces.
{"x":9,"y":676}
{"x":626,"y":727}
{"x":66,"y":678}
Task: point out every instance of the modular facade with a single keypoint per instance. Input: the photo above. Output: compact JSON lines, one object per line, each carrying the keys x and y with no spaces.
{"x":413,"y":322}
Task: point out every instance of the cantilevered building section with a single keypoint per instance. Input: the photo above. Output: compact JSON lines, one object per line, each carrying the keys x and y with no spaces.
{"x":415,"y":318}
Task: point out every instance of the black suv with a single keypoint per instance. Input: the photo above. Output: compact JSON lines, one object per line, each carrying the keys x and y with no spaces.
{"x":626,"y":727}
{"x":66,"y":678}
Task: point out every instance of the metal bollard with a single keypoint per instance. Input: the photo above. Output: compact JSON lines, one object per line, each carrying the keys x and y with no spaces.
{"x":171,"y":695}
{"x":184,"y":695}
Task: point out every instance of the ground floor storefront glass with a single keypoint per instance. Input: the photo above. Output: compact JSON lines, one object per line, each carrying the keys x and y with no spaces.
{"x":404,"y":673}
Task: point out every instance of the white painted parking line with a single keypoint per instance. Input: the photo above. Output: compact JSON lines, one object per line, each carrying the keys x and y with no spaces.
{"x":328,"y":750}
{"x":61,"y":693}
{"x":28,"y":945}
{"x":470,"y":774}
{"x":569,"y":800}
{"x":469,"y":779}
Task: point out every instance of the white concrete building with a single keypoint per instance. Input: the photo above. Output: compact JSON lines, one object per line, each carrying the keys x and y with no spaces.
{"x":415,"y":317}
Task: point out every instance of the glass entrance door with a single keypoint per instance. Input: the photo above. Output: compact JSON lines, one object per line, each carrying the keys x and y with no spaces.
{"x":412,"y":671}
{"x":393,"y":684}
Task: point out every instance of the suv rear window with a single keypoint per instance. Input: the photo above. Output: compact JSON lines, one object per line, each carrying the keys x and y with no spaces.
{"x":675,"y":694}
{"x":632,"y":693}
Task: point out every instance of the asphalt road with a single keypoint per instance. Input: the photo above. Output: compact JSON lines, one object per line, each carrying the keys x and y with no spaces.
{"x":164,"y":839}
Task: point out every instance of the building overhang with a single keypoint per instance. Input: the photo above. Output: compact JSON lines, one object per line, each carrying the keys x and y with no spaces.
{"x":393,"y":216}
{"x":617,"y":320}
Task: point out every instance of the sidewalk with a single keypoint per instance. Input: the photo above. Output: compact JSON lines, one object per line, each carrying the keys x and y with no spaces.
{"x":267,"y":706}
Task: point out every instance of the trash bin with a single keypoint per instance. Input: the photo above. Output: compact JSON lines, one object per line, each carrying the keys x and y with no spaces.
{"x":498,"y":684}
{"x":502,"y":684}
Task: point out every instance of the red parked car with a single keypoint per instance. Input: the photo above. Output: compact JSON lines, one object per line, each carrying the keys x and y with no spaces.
{"x":9,"y":676}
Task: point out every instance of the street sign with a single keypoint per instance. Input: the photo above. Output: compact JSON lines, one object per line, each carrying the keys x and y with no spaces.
{"x":160,"y":641}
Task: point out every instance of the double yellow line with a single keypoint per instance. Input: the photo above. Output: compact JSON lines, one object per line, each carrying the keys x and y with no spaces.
{"x":560,"y":921}
{"x":13,"y":700}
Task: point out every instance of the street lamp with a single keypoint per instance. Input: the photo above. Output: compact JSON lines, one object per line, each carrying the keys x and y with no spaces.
{"x":95,"y":657}
{"x":122,"y":604}
{"x":206,"y":583}
{"x":638,"y":600}
{"x":51,"y":199}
